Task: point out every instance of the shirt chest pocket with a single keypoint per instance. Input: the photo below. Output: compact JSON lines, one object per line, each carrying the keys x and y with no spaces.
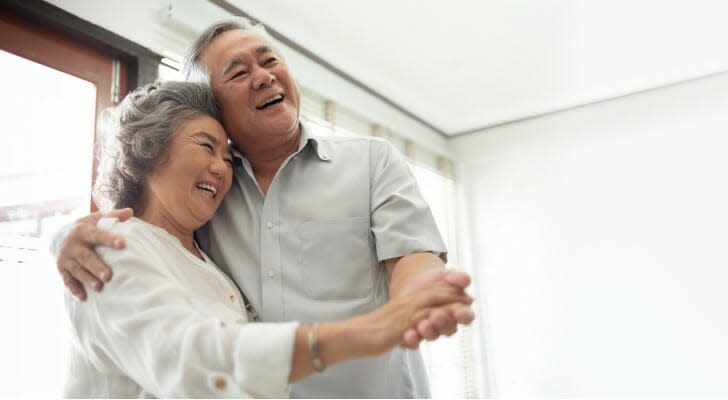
{"x":338,"y":260}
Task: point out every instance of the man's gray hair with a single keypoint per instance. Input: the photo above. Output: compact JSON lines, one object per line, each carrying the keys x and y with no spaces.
{"x":193,"y":70}
{"x":136,"y":135}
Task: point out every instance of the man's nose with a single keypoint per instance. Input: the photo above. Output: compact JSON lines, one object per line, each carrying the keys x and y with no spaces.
{"x":263,"y":78}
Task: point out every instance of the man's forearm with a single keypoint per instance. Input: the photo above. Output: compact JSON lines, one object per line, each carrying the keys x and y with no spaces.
{"x":403,"y":272}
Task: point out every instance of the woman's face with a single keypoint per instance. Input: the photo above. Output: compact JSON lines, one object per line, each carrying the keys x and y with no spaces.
{"x":195,"y":173}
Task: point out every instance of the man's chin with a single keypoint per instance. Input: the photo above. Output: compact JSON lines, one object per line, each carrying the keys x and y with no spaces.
{"x":284,"y":126}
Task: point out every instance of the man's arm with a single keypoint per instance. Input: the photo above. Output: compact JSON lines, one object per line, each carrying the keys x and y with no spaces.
{"x":76,"y":259}
{"x":423,"y":269}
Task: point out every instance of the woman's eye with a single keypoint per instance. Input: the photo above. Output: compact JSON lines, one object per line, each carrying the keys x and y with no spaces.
{"x":229,"y":161}
{"x":208,"y":145}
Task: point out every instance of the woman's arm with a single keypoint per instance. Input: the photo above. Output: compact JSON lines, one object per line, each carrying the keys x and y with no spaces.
{"x":145,"y":325}
{"x":373,"y":333}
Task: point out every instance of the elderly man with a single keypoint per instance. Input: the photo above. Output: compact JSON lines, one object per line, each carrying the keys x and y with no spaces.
{"x":315,"y":227}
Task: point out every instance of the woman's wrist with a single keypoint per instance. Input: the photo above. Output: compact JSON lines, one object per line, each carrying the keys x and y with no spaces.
{"x":340,"y":341}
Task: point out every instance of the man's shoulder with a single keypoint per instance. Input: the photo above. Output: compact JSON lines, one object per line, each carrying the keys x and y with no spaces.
{"x":323,"y":134}
{"x":343,"y":142}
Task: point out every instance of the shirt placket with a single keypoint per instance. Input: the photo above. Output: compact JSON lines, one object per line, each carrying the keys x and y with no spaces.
{"x":270,"y":257}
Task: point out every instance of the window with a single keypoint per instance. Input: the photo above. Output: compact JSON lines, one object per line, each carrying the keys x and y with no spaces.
{"x":449,"y":360}
{"x":53,"y":90}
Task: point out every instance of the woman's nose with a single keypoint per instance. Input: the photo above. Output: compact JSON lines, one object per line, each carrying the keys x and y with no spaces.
{"x":219,"y":166}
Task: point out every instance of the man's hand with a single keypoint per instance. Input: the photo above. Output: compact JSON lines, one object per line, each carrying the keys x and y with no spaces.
{"x":77,"y":261}
{"x":419,"y":270}
{"x":444,"y":320}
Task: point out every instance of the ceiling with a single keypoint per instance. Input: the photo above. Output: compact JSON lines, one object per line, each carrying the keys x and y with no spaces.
{"x":465,"y":65}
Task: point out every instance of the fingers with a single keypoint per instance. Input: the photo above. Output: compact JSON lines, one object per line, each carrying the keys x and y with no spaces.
{"x":463,"y":314}
{"x":443,"y":293}
{"x":73,"y":285}
{"x":90,"y":261}
{"x":100,"y":237}
{"x":122,"y":214}
{"x":443,"y":322}
{"x":78,"y":263}
{"x":452,"y":307}
{"x":411,"y":339}
{"x":457,"y":278}
{"x":427,"y":330}
{"x":440,"y":322}
{"x":82,"y":275}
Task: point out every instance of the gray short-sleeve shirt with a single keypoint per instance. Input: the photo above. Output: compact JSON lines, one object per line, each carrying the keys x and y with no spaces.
{"x":312,"y":248}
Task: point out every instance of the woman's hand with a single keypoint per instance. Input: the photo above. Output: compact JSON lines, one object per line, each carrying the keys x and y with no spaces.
{"x":376,"y":332}
{"x":384,"y":328}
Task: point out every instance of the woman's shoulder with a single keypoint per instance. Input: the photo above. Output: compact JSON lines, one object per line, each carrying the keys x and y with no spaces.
{"x":139,"y":237}
{"x":133,"y":228}
{"x":131,"y":225}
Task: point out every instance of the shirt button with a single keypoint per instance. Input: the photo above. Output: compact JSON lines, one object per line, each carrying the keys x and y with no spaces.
{"x":271,"y":273}
{"x":269,"y":225}
{"x":232,"y":297}
{"x":220,"y":383}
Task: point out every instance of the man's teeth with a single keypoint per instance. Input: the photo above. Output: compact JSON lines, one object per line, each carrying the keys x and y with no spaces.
{"x":207,"y":188}
{"x":270,"y":101}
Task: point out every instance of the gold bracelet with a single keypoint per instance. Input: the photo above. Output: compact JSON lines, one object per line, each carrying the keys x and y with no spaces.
{"x":313,"y":345}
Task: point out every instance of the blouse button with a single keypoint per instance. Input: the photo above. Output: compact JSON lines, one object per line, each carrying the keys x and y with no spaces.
{"x":220,"y":383}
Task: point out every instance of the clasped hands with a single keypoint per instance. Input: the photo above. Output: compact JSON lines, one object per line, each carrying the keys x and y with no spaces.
{"x":443,"y":320}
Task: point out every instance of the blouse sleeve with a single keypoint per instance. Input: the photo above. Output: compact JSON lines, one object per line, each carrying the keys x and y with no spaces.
{"x":147,"y":326}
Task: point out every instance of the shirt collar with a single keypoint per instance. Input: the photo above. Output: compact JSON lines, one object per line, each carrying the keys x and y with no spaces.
{"x":309,"y":134}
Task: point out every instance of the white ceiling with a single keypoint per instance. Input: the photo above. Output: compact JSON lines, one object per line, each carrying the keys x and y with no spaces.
{"x":463,"y":65}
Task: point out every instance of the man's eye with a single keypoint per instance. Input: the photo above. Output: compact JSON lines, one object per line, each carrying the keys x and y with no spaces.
{"x":237,"y":74}
{"x":270,"y":60}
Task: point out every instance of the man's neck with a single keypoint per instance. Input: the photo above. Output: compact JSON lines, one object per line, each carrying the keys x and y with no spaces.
{"x":268,"y":158}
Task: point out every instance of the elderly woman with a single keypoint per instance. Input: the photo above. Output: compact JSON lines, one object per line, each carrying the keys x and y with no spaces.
{"x":171,"y":324}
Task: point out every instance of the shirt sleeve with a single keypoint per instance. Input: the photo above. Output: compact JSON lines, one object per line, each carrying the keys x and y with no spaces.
{"x":402,"y":222}
{"x":147,"y":326}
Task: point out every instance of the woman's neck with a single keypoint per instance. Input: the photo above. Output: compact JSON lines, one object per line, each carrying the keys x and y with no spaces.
{"x":159,"y":217}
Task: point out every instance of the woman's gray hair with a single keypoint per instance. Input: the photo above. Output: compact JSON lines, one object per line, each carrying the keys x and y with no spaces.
{"x":192,"y":70}
{"x":136,"y":134}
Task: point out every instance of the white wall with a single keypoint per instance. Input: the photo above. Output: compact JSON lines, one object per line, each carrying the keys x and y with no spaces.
{"x":600,"y":240}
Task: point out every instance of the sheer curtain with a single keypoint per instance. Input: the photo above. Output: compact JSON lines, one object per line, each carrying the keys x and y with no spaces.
{"x":449,"y":360}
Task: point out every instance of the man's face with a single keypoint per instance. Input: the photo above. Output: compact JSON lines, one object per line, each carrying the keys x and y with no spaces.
{"x":256,"y":93}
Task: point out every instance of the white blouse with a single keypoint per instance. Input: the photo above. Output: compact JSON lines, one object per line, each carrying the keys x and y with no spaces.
{"x":171,"y":325}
